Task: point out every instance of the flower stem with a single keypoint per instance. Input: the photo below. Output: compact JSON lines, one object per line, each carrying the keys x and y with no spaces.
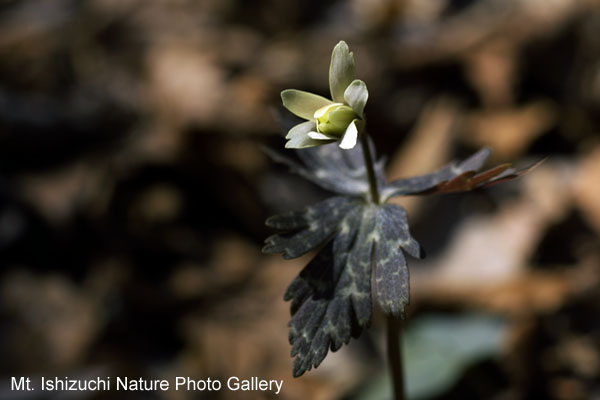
{"x":394,"y":327}
{"x":394,"y":349}
{"x":366,"y":149}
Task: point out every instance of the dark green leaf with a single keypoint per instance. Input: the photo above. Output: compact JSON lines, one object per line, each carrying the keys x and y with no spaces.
{"x":339,"y":171}
{"x":457,"y":178}
{"x":391,"y":271}
{"x":316,"y":224}
{"x":423,"y":183}
{"x":331,"y":299}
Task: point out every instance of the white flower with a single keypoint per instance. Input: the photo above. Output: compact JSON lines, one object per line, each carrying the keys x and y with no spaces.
{"x":338,"y":120}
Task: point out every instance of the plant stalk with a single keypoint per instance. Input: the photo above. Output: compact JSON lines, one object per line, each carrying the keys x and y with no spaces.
{"x":366,"y":149}
{"x":394,"y":327}
{"x":394,"y":349}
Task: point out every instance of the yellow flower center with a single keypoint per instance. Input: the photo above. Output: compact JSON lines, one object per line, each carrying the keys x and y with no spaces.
{"x":334,"y":119}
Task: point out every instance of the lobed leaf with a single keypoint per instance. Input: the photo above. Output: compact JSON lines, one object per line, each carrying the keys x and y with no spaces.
{"x":331,"y":298}
{"x":456,"y":178}
{"x":339,"y":171}
{"x":470,"y":180}
{"x":421,"y":184}
{"x":314,"y":226}
{"x":391,"y":272}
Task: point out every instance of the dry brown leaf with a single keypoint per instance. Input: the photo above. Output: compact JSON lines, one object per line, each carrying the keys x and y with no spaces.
{"x":491,"y":69}
{"x":587,"y":188}
{"x":57,"y":321}
{"x":508,"y":131}
{"x":239,"y":336}
{"x":488,"y":251}
{"x":427,"y":147}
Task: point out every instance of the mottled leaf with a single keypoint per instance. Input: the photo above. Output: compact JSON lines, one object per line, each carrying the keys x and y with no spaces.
{"x":391,"y":272}
{"x":320,"y":176}
{"x":316,"y":225}
{"x":511,"y":173}
{"x":331,"y":168}
{"x":331,"y":298}
{"x":470,"y":180}
{"x":423,"y":183}
{"x":456,"y":178}
{"x":339,"y":171}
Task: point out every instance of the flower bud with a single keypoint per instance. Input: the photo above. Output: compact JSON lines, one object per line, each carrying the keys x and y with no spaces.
{"x":333,"y":119}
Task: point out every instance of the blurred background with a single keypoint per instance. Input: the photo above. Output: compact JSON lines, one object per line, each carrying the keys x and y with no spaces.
{"x":133,"y":191}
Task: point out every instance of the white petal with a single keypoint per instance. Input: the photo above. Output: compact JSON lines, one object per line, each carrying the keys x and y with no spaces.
{"x":350,"y":136}
{"x":356,"y":96}
{"x":320,"y":136}
{"x":303,"y":104}
{"x":341,"y":71}
{"x":302,"y":141}
{"x":302,"y":128}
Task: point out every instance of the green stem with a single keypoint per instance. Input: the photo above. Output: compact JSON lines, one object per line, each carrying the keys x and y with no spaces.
{"x":394,"y":327}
